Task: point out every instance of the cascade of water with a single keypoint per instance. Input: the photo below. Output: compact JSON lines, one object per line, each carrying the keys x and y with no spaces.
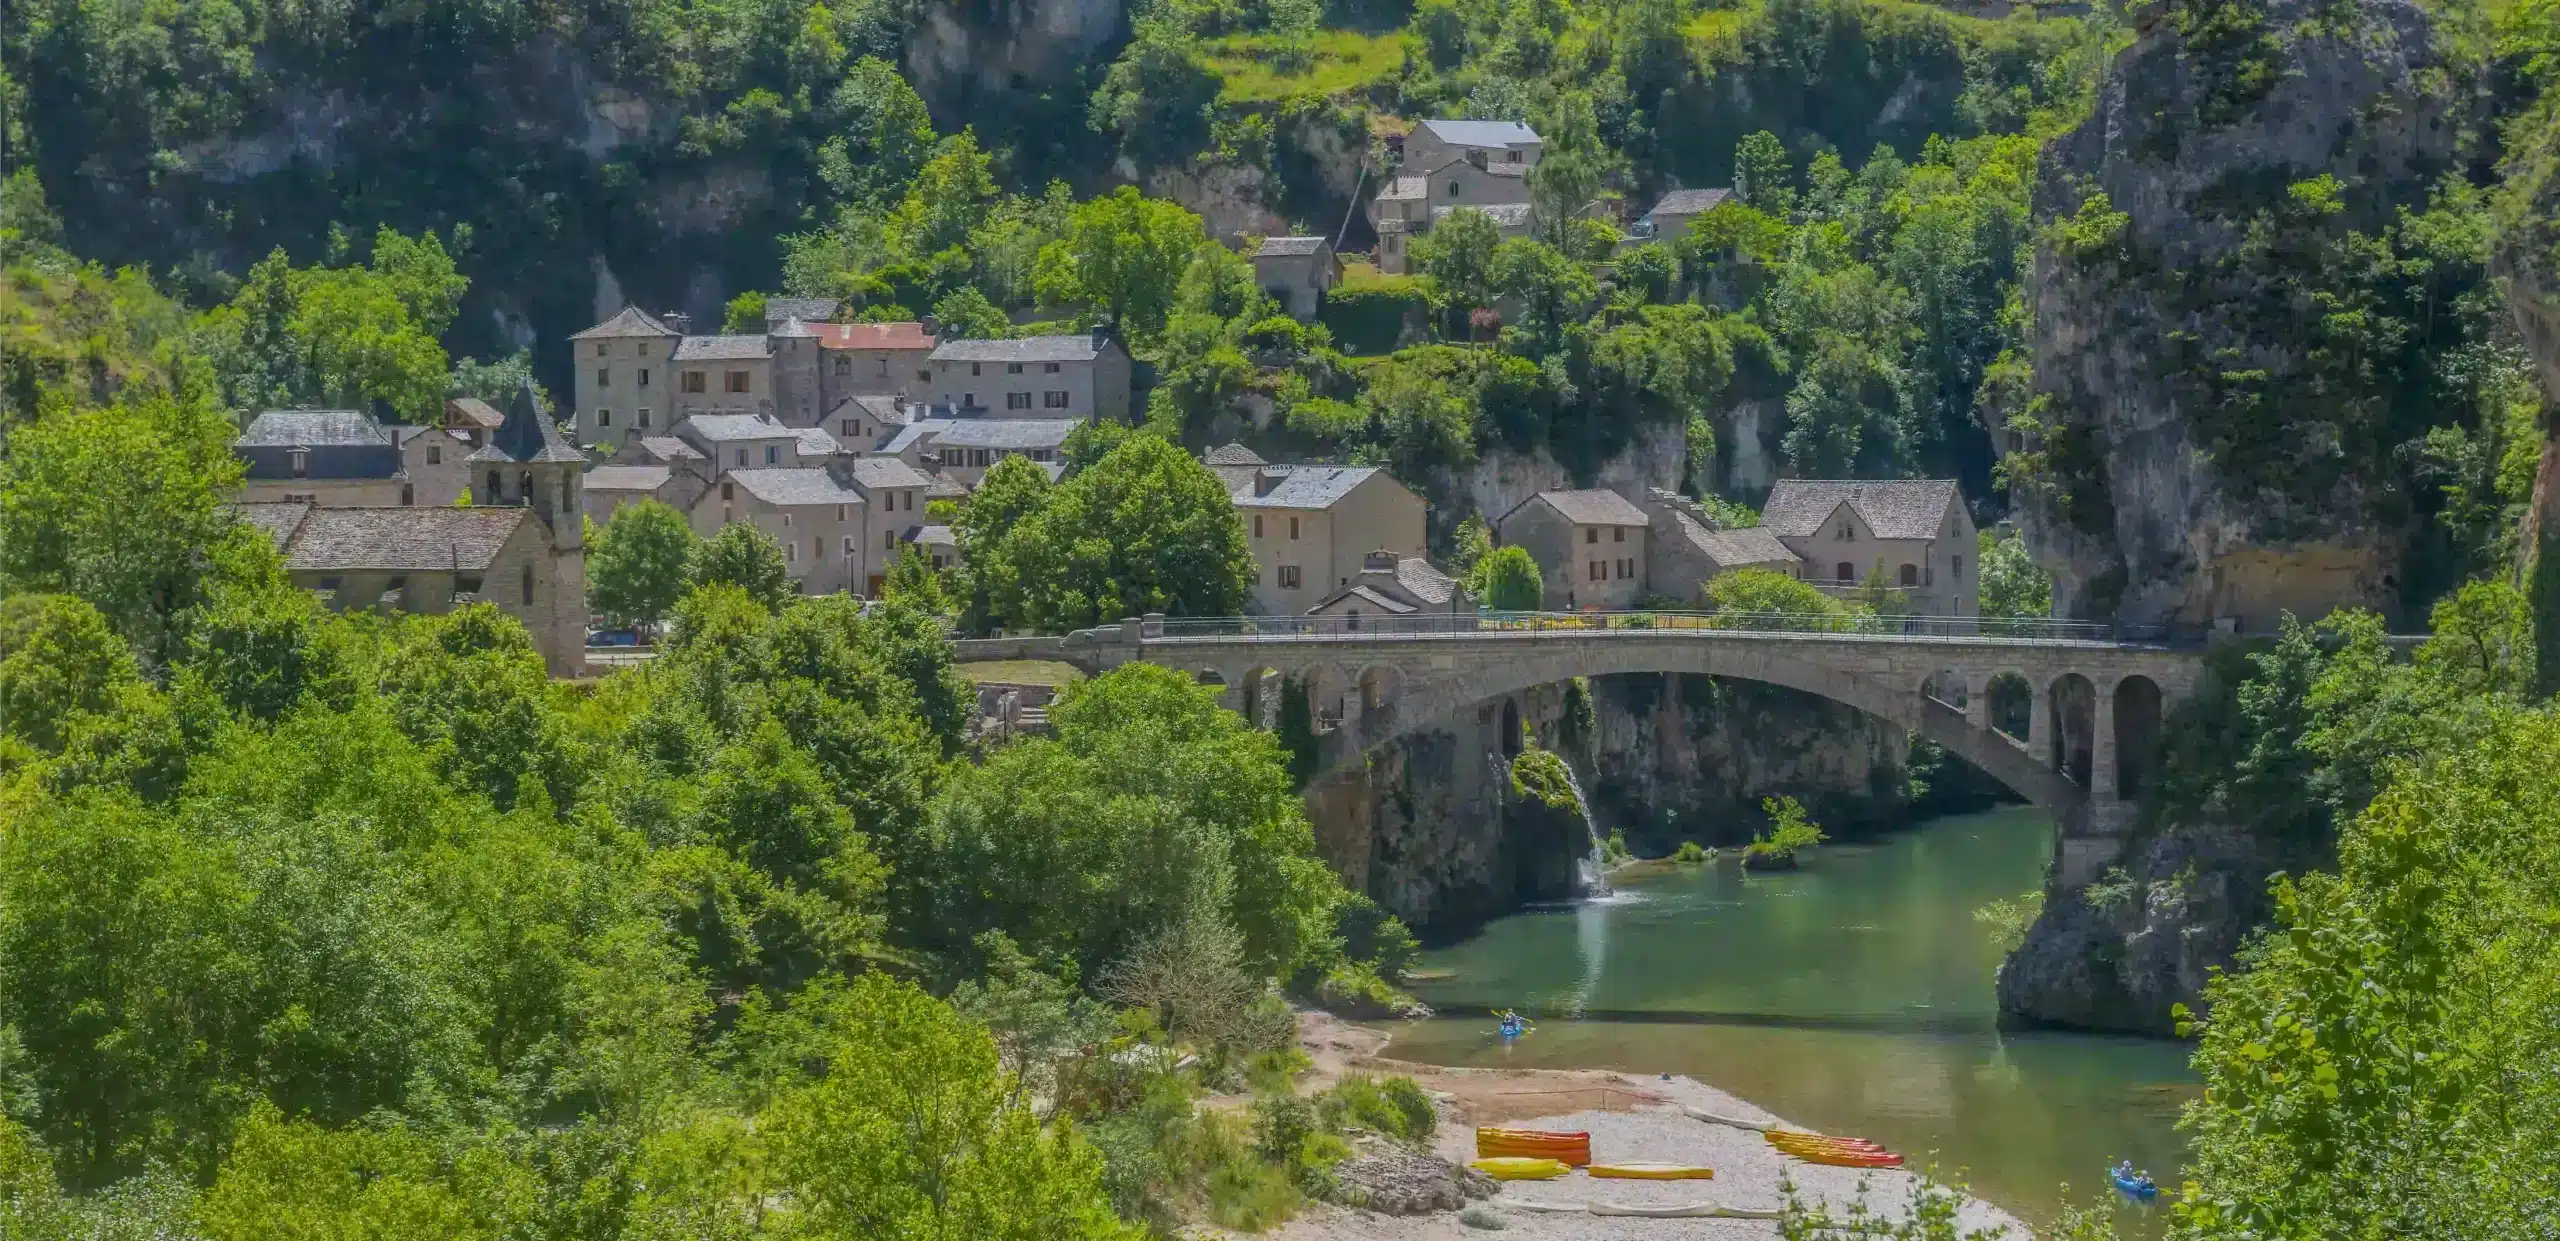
{"x":1594,"y":868}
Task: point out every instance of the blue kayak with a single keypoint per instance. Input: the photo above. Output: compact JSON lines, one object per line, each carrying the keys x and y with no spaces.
{"x":2133,"y":1185}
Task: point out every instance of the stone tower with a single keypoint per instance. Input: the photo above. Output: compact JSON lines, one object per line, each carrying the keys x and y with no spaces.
{"x":795,"y":373}
{"x":542,"y":470}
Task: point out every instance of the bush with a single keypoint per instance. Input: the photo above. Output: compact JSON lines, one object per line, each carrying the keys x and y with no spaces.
{"x":1689,"y":854}
{"x":1369,"y":316}
{"x":1393,"y":1106}
{"x":1354,"y":989}
{"x":1540,"y":774}
{"x":1788,"y":834}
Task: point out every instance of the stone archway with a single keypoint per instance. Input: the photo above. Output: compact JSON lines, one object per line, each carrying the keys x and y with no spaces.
{"x":2012,"y":706}
{"x":2073,"y":708}
{"x":2137,"y":727}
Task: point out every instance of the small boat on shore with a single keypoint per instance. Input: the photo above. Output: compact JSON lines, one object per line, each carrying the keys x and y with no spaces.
{"x":1645,"y":1170}
{"x":1519,"y":1168}
{"x":1831,"y":1151}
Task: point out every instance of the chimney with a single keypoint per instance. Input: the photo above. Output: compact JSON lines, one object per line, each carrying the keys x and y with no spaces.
{"x":680,"y":321}
{"x":1379,"y":561}
{"x":1476,"y":156}
{"x":932,"y":326}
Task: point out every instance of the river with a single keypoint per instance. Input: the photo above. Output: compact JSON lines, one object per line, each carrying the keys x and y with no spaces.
{"x":1853,"y":995}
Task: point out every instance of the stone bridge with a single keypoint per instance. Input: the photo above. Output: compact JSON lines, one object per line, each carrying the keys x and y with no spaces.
{"x":2062,"y":715}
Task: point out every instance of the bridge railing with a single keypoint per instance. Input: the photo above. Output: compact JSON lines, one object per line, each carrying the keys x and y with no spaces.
{"x":1419,"y":625}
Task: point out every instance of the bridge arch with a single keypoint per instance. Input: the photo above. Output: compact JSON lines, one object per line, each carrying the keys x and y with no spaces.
{"x":1431,"y":702}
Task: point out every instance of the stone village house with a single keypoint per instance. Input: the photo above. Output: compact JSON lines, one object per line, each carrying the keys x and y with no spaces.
{"x":1916,"y":533}
{"x":1312,"y":528}
{"x":1297,"y":272}
{"x":1590,"y":546}
{"x":1081,"y":376}
{"x":636,"y":376}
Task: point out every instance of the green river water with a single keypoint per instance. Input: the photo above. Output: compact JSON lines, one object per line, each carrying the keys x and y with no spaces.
{"x":1853,"y":996}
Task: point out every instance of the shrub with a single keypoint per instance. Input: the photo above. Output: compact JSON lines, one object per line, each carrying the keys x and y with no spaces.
{"x":1789,"y":834}
{"x":1370,"y":316}
{"x":1540,"y":774}
{"x":1689,"y":854}
{"x":1393,"y":1106}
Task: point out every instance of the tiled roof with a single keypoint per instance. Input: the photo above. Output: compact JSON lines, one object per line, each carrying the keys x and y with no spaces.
{"x":1232,"y":454}
{"x":1077,"y":348}
{"x":528,"y":434}
{"x":791,"y":329}
{"x":1894,"y":510}
{"x":806,"y":309}
{"x":1405,"y":189}
{"x":668,"y":448}
{"x":1480,"y":133}
{"x":874,"y":472}
{"x":1396,"y":607}
{"x":1505,"y":215}
{"x":1424,"y":581}
{"x":1506,"y":170}
{"x":906,"y":437}
{"x":1690,"y":202}
{"x":1732,"y":549}
{"x":946,"y":489}
{"x":1594,"y":508}
{"x":932,"y":536}
{"x":473,"y":410}
{"x":721,"y":428}
{"x":456,"y":539}
{"x":1016,"y":433}
{"x":1289,"y":247}
{"x":815,"y":442}
{"x":1304,"y":486}
{"x":723,"y":349}
{"x":872,"y":336}
{"x":883,"y":409}
{"x":627,"y":477}
{"x":313,"y":428}
{"x":794,"y":486}
{"x":629,"y":322}
{"x":276,"y":519}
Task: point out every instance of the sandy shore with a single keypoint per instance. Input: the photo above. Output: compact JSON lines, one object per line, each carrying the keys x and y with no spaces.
{"x":1629,"y":1117}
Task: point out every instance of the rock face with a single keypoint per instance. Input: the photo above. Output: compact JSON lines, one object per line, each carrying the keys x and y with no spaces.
{"x":1394,"y":1181}
{"x":1432,"y":831}
{"x":2145,"y":336}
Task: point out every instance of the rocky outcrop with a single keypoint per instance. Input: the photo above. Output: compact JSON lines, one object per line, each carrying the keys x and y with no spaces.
{"x":2201,"y":461}
{"x":1394,"y":1181}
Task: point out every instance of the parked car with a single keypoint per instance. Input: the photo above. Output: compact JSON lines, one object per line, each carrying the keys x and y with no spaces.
{"x":613,"y":637}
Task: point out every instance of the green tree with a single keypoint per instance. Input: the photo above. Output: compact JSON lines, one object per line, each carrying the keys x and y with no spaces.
{"x":1572,"y":170}
{"x":1146,"y":529}
{"x":1763,"y":175}
{"x":887,"y":134}
{"x":913,"y":579}
{"x":2013,"y":585}
{"x":1508,"y":579}
{"x":1012,"y":491}
{"x":744,"y":314}
{"x":1768,"y":599}
{"x":59,"y":661}
{"x":1457,"y":254}
{"x":744,"y":556}
{"x":640,"y":563}
{"x":264,"y":648}
{"x":1123,"y":255}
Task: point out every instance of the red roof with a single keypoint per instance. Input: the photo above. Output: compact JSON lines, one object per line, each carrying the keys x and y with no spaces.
{"x":871,"y":336}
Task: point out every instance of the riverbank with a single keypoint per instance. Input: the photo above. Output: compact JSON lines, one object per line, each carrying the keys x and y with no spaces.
{"x":1630,"y":1117}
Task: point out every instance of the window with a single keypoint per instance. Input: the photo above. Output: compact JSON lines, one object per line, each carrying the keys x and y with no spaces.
{"x":884,"y":368}
{"x":888,"y":540}
{"x":1293,"y":527}
{"x":435,"y":456}
{"x":1017,"y":400}
{"x":524,"y":487}
{"x":1845,"y":574}
{"x":644,"y":419}
{"x":408,"y":495}
{"x":738,"y":381}
{"x":1013,"y":368}
{"x":1048,"y":368}
{"x":924,"y":376}
{"x":817,"y":549}
{"x":399,"y":582}
{"x":603,"y":349}
{"x":524,"y":584}
{"x":1053,"y":399}
{"x":467,"y":584}
{"x":968,"y":400}
{"x":983,"y":456}
{"x":644,"y":377}
{"x":849,"y":425}
{"x":1845,"y":533}
{"x":1257,"y":525}
{"x":772,"y":454}
{"x":691,"y":381}
{"x":497,"y":487}
{"x":1453,"y":189}
{"x":301,"y":462}
{"x":1599,"y":571}
{"x":1288,"y":577}
{"x":604,"y":377}
{"x":1955,"y":569}
{"x":786,"y":520}
{"x":742,"y":456}
{"x":300,"y":497}
{"x":1910,"y":575}
{"x":791,"y":549}
{"x":1591,"y":534}
{"x":1511,"y":157}
{"x":973,"y":368}
{"x":844,"y":366}
{"x":332,"y":583}
{"x":1618,"y":534}
{"x":839,"y":512}
{"x":604,"y":417}
{"x":728,"y":491}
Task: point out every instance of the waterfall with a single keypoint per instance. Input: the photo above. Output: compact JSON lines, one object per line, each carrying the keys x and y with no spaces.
{"x":1594,"y":868}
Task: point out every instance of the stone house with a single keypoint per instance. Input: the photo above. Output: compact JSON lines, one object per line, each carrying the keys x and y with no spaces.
{"x":639,"y":375}
{"x":741,"y":442}
{"x":1590,"y":545}
{"x":936,"y":543}
{"x":1510,"y":220}
{"x":1684,"y":548}
{"x":894,"y":493}
{"x":725,"y":375}
{"x":521,"y":546}
{"x":610,"y":487}
{"x":1917,"y":533}
{"x":1670,"y":216}
{"x":1083,"y":376}
{"x":1408,"y":204}
{"x":1312,"y":527}
{"x":964,"y":449}
{"x":861,"y":422}
{"x":623,"y":386}
{"x":874,"y":358}
{"x":337,"y":457}
{"x":1435,"y":143}
{"x":1389,"y":585}
{"x":816,"y":447}
{"x":1297,"y":272}
{"x":818,"y":521}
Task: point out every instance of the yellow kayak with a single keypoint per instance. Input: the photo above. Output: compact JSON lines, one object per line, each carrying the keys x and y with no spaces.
{"x":1647,"y":1171}
{"x":1518,"y":1168}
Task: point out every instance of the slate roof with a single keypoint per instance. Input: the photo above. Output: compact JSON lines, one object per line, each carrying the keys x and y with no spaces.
{"x":1480,"y":133}
{"x":1232,"y":454}
{"x":1406,"y":189}
{"x":529,"y":435}
{"x":1424,"y":580}
{"x":452,"y":539}
{"x":946,"y":489}
{"x":1506,"y":170}
{"x":627,"y":477}
{"x":872,"y":336}
{"x":276,"y":519}
{"x":1797,"y":507}
{"x":1505,"y":215}
{"x":1012,"y":433}
{"x":723,"y":349}
{"x":932,"y":536}
{"x":790,"y":329}
{"x":668,"y":448}
{"x":1690,"y":202}
{"x":794,"y":486}
{"x":1289,"y":247}
{"x":805,"y":309}
{"x":874,"y":472}
{"x":1304,"y":486}
{"x":475,"y":411}
{"x":313,"y":428}
{"x":905,"y":437}
{"x":1395,"y":606}
{"x":883,"y":409}
{"x":722,"y":428}
{"x":629,"y":321}
{"x":815,"y":442}
{"x":1733,"y":549}
{"x":1591,"y":508}
{"x":1077,"y":348}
